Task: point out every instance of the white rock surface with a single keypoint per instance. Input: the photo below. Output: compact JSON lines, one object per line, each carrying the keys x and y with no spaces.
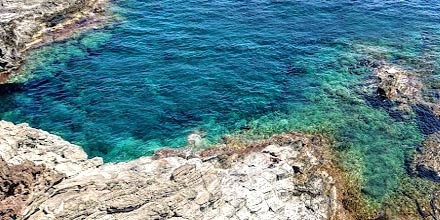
{"x":265,"y":183}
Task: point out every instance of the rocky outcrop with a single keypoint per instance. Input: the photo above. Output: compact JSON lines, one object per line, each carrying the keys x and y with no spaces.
{"x":25,"y":24}
{"x":398,"y":85}
{"x":407,"y":89}
{"x":20,"y":143}
{"x":427,"y":162}
{"x":20,"y":183}
{"x":287,"y":176}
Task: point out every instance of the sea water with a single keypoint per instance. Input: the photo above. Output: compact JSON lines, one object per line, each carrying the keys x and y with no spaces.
{"x":166,"y":69}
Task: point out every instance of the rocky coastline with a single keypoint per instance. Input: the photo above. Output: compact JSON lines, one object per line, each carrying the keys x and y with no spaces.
{"x":410,"y":95}
{"x":288,"y":176}
{"x":28,"y":24}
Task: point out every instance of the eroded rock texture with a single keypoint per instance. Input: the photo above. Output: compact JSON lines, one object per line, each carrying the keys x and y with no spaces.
{"x":19,"y":143}
{"x":284,"y":177}
{"x":428,"y":161}
{"x":398,"y":85}
{"x":22,"y":24}
{"x":20,"y":184}
{"x":408,"y":89}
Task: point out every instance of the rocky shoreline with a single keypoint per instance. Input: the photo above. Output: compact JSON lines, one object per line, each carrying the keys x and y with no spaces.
{"x":28,"y":24}
{"x":288,"y":176}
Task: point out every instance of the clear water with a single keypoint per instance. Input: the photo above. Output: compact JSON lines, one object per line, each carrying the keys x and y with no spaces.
{"x":169,"y":68}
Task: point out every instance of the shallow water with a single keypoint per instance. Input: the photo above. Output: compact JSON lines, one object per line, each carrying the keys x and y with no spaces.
{"x":169,"y":68}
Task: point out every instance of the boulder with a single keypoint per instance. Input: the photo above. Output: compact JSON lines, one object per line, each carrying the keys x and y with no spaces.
{"x":398,"y":85}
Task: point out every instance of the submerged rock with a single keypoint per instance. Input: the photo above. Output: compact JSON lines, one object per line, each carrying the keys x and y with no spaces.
{"x":416,"y":198}
{"x":427,"y":163}
{"x":195,"y":140}
{"x":285,"y":177}
{"x":407,"y":88}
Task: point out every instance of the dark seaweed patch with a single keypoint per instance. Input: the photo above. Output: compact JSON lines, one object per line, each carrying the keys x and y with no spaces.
{"x":36,"y":83}
{"x":377,"y":101}
{"x":427,"y":173}
{"x":427,"y":121}
{"x":10,"y":88}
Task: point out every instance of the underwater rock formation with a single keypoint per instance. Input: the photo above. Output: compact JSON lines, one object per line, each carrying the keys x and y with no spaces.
{"x":287,"y":176}
{"x":428,"y":161}
{"x":406,"y":89}
{"x":418,"y":196}
{"x":25,"y":24}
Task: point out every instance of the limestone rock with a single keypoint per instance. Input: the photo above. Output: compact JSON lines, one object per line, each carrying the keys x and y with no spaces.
{"x":398,"y":85}
{"x":260,"y":181}
{"x":22,"y":24}
{"x":19,"y":183}
{"x":19,"y":143}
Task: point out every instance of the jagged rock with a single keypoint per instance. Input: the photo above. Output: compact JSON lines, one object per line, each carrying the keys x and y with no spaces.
{"x":398,"y":85}
{"x":259,"y":181}
{"x":19,"y":143}
{"x":24,"y":24}
{"x":406,"y":88}
{"x":428,"y":161}
{"x":20,"y":184}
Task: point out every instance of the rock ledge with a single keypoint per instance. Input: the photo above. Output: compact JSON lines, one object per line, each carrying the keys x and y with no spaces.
{"x":284,"y":177}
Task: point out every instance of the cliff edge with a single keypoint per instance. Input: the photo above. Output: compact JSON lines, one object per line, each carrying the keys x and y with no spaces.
{"x":286,"y":176}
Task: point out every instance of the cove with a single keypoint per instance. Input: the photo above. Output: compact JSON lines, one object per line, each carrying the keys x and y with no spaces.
{"x":169,"y":68}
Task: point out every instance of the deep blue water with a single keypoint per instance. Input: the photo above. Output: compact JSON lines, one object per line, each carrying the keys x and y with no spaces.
{"x":165,"y":69}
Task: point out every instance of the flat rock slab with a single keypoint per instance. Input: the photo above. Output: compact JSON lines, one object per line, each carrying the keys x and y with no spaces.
{"x":281,"y":179}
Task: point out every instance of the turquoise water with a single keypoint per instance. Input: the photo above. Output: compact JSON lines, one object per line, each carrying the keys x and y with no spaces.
{"x":170,"y":68}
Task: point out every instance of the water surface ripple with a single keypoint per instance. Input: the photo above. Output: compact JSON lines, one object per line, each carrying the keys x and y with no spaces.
{"x":169,"y":68}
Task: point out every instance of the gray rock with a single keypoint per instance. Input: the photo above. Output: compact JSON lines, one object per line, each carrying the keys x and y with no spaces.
{"x":26,"y":24}
{"x":398,"y":84}
{"x":427,"y":163}
{"x":260,"y":184}
{"x":19,"y":143}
